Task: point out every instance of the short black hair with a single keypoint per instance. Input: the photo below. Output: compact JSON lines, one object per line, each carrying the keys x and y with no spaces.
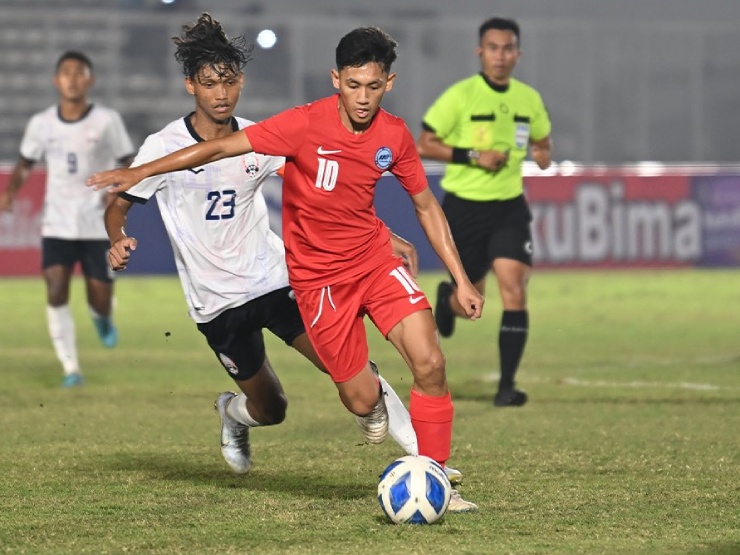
{"x":75,"y":55}
{"x":365,"y":45}
{"x":500,"y":24}
{"x":205,"y":43}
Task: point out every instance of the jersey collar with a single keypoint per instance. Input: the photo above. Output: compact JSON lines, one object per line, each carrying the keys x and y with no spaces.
{"x":193,"y":132}
{"x":83,"y":116}
{"x":494,"y":86}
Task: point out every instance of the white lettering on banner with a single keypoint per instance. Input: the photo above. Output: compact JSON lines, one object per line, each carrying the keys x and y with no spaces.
{"x":21,"y":228}
{"x":687,"y":239}
{"x":600,"y":225}
{"x":592,"y":207}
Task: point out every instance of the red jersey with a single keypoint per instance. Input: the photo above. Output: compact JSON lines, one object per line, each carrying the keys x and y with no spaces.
{"x":330,"y":228}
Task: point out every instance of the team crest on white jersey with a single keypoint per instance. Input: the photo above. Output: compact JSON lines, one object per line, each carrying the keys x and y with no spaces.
{"x":229,"y":364}
{"x":383,"y":158}
{"x":252,"y":165}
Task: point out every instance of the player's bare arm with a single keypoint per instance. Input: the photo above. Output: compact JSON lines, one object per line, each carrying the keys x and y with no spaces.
{"x":121,"y":244}
{"x":432,"y":147}
{"x":193,"y":156}
{"x":407,"y":251}
{"x":17,"y":179}
{"x":542,"y":152}
{"x":433,"y":222}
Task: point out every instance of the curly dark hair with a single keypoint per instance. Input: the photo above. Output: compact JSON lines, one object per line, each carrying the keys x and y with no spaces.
{"x":204,"y":43}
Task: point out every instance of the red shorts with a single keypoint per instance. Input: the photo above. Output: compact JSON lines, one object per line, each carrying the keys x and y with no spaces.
{"x":334,"y":315}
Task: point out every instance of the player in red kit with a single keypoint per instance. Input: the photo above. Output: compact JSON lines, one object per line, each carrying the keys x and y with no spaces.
{"x":340,"y":261}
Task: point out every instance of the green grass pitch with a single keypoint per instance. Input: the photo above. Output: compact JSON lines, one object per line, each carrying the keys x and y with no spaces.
{"x":630,"y":443}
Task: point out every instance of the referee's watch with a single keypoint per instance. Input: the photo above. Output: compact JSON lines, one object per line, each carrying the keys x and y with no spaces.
{"x":474,"y":156}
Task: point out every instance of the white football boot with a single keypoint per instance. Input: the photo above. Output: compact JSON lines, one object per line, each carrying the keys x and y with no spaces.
{"x":374,"y":426}
{"x":234,"y":437}
{"x":459,"y":505}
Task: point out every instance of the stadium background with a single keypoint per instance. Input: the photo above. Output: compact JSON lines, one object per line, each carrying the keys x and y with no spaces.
{"x":642,"y":96}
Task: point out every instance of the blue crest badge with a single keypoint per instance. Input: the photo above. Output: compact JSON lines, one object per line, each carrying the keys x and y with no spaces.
{"x":383,"y":158}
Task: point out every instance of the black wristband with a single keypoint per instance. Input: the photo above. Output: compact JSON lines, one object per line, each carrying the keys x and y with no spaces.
{"x":460,"y":156}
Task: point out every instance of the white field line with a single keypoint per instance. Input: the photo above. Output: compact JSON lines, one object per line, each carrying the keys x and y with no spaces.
{"x":641,"y":384}
{"x":577,"y":382}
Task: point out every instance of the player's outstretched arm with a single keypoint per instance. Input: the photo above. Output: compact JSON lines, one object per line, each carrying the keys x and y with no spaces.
{"x":190,"y":157}
{"x":435,"y":226}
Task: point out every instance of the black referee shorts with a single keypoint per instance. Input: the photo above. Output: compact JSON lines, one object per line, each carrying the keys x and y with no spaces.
{"x":235,"y":336}
{"x":486,"y":230}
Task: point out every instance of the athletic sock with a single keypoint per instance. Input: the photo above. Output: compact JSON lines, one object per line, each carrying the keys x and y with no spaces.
{"x":399,"y":422}
{"x":511,"y":340}
{"x":237,"y":409}
{"x":62,"y":332}
{"x":432,"y":420}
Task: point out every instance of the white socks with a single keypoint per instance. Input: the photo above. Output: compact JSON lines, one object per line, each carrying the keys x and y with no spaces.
{"x":62,"y":333}
{"x":237,"y":409}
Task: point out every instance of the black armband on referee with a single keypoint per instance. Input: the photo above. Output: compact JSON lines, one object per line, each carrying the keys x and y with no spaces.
{"x":465,"y":156}
{"x":460,"y":156}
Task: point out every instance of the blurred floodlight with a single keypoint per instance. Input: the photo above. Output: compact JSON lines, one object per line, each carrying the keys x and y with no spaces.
{"x":266,"y":38}
{"x":650,"y":168}
{"x":168,"y":1}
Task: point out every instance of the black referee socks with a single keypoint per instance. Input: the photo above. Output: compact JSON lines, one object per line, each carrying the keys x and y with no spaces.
{"x":511,"y":340}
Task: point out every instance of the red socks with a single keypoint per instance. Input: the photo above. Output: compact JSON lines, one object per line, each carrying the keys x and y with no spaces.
{"x":432,"y":421}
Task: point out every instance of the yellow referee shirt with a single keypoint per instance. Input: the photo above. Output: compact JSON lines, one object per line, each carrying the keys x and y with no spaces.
{"x":472,"y":114}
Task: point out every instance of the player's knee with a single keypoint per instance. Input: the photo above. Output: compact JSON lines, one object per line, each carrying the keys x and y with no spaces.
{"x":362,"y":405}
{"x":514,"y":296}
{"x":429,"y":372}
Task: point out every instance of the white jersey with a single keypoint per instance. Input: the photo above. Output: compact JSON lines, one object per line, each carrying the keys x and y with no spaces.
{"x":73,"y":152}
{"x":217,"y":221}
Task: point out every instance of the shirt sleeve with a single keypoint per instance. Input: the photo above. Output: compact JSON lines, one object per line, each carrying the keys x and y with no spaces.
{"x":279,"y":135}
{"x":540,"y":125}
{"x":408,"y":168}
{"x":152,"y":149}
{"x":443,"y":115}
{"x":32,"y":144}
{"x":274,"y":164}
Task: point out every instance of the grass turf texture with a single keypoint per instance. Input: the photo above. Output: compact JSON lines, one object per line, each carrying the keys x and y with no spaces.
{"x":629,"y":444}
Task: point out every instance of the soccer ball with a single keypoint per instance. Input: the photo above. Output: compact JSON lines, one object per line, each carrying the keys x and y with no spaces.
{"x":414,"y":490}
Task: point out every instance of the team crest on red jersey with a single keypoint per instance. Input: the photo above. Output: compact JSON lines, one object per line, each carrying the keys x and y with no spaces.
{"x":383,"y":158}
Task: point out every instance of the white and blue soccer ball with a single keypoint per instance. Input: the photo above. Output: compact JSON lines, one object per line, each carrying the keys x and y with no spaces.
{"x":414,"y":490}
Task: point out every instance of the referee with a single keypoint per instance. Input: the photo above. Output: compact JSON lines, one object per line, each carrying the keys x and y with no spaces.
{"x":483,"y":127}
